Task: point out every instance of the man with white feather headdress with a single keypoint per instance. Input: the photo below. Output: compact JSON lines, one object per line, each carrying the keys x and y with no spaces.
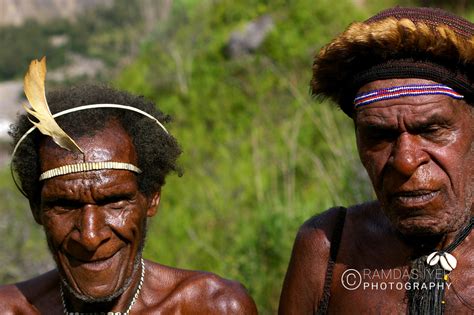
{"x":92,"y":161}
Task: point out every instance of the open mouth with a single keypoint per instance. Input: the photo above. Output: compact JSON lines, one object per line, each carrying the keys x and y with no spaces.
{"x":93,"y":264}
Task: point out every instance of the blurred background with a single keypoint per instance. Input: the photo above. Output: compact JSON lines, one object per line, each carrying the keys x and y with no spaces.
{"x":260,"y":155}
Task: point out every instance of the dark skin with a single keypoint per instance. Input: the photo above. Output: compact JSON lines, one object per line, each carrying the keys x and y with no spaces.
{"x":95,"y":224}
{"x":419,"y":154}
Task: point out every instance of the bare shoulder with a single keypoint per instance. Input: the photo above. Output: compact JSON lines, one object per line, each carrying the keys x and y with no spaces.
{"x":32,"y":296}
{"x":197,"y":292}
{"x":221,"y":296}
{"x":314,"y":238}
{"x":12,"y":301}
{"x":304,"y":281}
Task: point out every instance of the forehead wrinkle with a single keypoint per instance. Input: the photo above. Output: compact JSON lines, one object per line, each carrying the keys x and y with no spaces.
{"x":115,"y":188}
{"x":110,"y":143}
{"x":65,"y":188}
{"x":88,"y":185}
{"x":418,"y":112}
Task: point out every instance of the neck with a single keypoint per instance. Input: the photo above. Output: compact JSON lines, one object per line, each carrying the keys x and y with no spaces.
{"x":424,"y":244}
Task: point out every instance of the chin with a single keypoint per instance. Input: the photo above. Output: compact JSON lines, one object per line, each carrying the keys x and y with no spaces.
{"x":81,"y":289}
{"x":416,"y":227}
{"x":428,"y":226}
{"x":91,"y":299}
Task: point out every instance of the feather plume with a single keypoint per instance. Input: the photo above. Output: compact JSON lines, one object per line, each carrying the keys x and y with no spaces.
{"x":36,"y":95}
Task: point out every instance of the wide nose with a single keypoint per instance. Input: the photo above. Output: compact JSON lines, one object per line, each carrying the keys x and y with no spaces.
{"x":407,"y":155}
{"x":92,"y":227}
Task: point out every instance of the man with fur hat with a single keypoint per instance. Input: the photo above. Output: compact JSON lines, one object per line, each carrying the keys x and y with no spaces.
{"x":406,"y":78}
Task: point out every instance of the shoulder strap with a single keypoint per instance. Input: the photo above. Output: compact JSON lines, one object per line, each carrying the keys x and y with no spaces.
{"x":335,"y":242}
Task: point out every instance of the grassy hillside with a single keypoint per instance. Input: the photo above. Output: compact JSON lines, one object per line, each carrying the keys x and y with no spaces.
{"x":260,"y":155}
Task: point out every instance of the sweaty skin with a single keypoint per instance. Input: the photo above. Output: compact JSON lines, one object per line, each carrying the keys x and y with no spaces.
{"x":95,"y":224}
{"x":419,"y":154}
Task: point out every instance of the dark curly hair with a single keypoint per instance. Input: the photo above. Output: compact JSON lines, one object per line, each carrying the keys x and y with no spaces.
{"x":157,"y":151}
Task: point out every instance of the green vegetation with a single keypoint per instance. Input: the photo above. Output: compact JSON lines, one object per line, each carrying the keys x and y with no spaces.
{"x":260,"y":155}
{"x":23,"y":250}
{"x":107,"y":33}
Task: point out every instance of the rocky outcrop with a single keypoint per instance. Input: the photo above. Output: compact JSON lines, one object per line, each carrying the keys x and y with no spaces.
{"x":16,"y":12}
{"x":248,"y":39}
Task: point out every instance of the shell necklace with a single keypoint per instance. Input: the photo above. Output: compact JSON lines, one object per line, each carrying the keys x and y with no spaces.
{"x":129,"y":308}
{"x":447,"y":261}
{"x":429,"y":277}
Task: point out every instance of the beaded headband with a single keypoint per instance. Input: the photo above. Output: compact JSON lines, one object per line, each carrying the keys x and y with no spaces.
{"x":34,"y":87}
{"x":369,"y":97}
{"x":88,"y":166}
{"x":397,"y":43}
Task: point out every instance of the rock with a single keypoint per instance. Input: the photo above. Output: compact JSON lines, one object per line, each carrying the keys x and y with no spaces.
{"x":16,"y":12}
{"x":77,"y":66}
{"x":250,"y":38}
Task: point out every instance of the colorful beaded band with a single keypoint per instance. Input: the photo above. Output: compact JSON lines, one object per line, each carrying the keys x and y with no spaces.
{"x":88,"y":166}
{"x":404,"y":90}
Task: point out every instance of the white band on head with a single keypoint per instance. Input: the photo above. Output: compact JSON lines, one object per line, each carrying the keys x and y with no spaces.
{"x":91,"y":106}
{"x":88,"y":166}
{"x":130,"y":167}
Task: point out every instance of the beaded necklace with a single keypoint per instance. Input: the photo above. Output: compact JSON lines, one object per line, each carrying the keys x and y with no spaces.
{"x":432,"y":277}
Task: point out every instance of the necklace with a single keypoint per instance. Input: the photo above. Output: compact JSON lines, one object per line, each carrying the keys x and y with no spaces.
{"x":129,"y":308}
{"x":447,"y":261}
{"x":429,"y":277}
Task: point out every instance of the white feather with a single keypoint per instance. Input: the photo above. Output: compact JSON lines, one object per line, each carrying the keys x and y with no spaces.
{"x":36,"y":95}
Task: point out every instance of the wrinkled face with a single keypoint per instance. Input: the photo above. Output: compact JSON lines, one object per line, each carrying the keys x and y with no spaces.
{"x":419,"y":154}
{"x":95,"y":221}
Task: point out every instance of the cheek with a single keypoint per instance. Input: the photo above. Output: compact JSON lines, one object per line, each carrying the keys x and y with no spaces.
{"x":57,"y":228}
{"x":457,"y":163}
{"x":127,"y":224}
{"x":373,"y":162}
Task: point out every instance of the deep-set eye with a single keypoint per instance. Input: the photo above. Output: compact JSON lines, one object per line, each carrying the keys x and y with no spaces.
{"x":433,"y":132}
{"x":376,"y":135}
{"x":62,"y":205}
{"x":117,"y":205}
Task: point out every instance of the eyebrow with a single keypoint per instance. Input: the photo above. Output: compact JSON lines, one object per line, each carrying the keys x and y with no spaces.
{"x":429,"y":118}
{"x":114,"y":197}
{"x":99,"y":201}
{"x":111,"y":191}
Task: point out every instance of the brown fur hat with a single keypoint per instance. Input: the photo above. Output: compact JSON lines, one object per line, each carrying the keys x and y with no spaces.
{"x":399,"y":42}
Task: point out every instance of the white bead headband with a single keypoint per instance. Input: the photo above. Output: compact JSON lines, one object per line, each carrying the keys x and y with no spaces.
{"x":87,"y":166}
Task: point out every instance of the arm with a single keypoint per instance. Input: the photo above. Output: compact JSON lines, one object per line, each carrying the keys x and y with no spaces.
{"x":12,"y":302}
{"x":206,"y":293}
{"x":304,"y":281}
{"x":234,"y":299}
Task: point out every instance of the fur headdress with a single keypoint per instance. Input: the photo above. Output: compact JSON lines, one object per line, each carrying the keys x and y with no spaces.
{"x":424,"y":43}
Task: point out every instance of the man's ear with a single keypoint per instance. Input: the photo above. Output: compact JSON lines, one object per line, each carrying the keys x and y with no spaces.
{"x":153,"y":202}
{"x":36,"y":210}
